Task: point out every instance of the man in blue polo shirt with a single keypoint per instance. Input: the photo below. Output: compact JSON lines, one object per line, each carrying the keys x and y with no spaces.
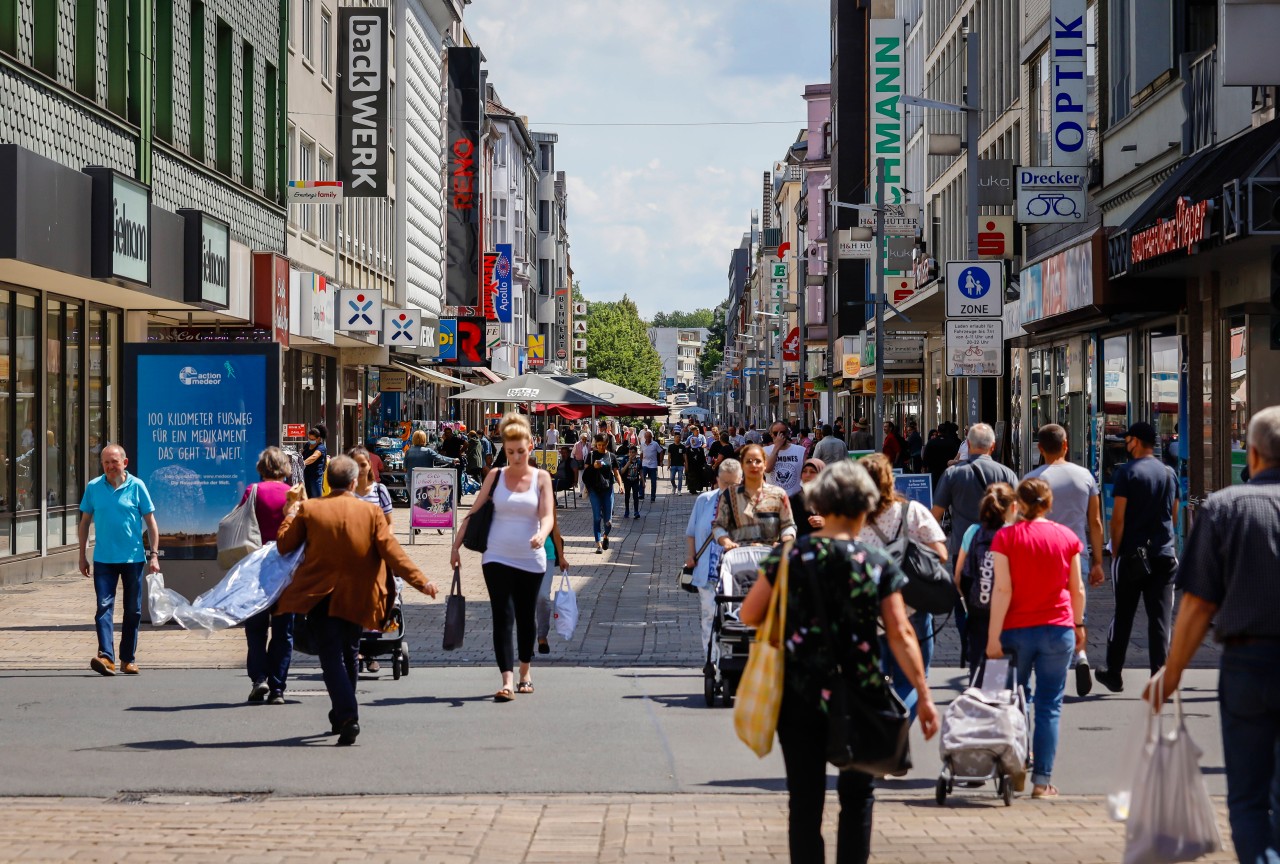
{"x":121,"y":506}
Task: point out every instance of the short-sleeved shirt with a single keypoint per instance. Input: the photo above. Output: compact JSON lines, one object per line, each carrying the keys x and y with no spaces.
{"x":650,"y":453}
{"x":600,"y":478}
{"x":786,"y":471}
{"x":830,"y":450}
{"x":1149,"y":488}
{"x":1072,"y":487}
{"x":117,"y":516}
{"x":962,"y":488}
{"x":1232,"y":558}
{"x":268,"y":506}
{"x":675,"y":455}
{"x":316,"y":469}
{"x":1039,"y":553}
{"x":699,"y":528}
{"x":853,"y":580}
{"x":921,"y":526}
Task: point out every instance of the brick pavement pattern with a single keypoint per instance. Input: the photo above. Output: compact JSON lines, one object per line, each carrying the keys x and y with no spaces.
{"x":636,"y":829}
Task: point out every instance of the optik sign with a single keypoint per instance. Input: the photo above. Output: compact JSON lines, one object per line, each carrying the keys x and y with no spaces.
{"x":362,"y":102}
{"x":1068,"y":85}
{"x":885,"y":124}
{"x":502,"y":275}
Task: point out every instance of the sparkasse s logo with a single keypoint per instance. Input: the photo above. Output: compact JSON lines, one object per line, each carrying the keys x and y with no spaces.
{"x":187,"y":375}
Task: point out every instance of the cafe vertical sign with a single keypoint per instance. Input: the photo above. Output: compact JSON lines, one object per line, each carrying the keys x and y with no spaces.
{"x":363,"y":95}
{"x":462,"y":180}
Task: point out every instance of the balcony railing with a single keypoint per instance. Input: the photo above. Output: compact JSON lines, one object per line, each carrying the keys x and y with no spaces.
{"x":1200,"y":129}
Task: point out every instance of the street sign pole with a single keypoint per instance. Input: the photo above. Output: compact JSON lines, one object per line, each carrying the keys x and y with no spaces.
{"x":973,"y":129}
{"x":803,"y":282}
{"x":879,"y":297}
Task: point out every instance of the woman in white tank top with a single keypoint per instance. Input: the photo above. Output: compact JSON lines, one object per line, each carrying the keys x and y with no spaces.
{"x":515,"y":560}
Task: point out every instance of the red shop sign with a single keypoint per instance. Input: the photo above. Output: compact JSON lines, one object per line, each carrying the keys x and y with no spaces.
{"x":1186,"y":230}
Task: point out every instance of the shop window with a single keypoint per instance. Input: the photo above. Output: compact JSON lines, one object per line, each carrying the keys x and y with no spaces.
{"x":246,"y":126}
{"x":63,"y":420}
{"x":9,"y":26}
{"x":7,"y":368}
{"x":45,"y":36}
{"x":1115,"y":404}
{"x":164,"y":69}
{"x":27,"y":480}
{"x":1163,"y":396}
{"x":222,"y":96}
{"x":1238,"y":412}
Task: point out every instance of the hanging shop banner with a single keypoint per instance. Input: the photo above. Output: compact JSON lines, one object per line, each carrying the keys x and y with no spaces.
{"x":995,"y":182}
{"x":537,"y":351}
{"x":196,"y":418}
{"x":1068,"y":84}
{"x":393,"y":381}
{"x":359,"y":311}
{"x":470,"y":342}
{"x":462,"y":212}
{"x":428,"y":336}
{"x":401,"y":328}
{"x":314,"y":192}
{"x":995,"y":237}
{"x":447,"y":339}
{"x":504,"y":300}
{"x":975,"y":348}
{"x":433,"y":498}
{"x":489,"y":286}
{"x":271,"y":294}
{"x":315,"y":307}
{"x":885,"y":121}
{"x":363,"y":96}
{"x":121,"y":237}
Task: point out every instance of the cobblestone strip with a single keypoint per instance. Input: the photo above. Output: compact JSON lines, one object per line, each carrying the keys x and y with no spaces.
{"x":563,"y":829}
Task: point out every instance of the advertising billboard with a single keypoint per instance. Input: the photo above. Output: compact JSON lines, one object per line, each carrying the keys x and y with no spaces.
{"x":196,"y":418}
{"x":462,"y":192}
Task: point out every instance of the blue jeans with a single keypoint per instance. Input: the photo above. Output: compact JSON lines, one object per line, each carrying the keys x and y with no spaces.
{"x":923,"y":624}
{"x":652,"y":474}
{"x":677,"y":477}
{"x":314,"y":484}
{"x":269,"y":662}
{"x":601,"y":509}
{"x":106,"y":578}
{"x":1048,"y":650}
{"x":1249,"y":697}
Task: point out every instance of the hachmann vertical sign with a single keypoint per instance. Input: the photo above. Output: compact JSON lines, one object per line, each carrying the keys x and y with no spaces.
{"x":885,"y":121}
{"x":363,"y":93}
{"x":1068,"y":83}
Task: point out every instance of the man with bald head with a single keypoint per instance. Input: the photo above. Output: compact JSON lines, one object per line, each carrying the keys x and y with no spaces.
{"x":121,"y":506}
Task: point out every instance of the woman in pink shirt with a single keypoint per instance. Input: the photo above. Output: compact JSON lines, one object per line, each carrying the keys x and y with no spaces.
{"x":268,"y":663}
{"x":1037,"y":614}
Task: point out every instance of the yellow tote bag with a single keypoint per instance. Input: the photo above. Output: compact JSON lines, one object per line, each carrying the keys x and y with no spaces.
{"x":755,"y":710}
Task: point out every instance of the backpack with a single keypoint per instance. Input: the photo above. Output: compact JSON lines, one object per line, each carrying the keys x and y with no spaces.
{"x":978,"y":578}
{"x":929,"y":587}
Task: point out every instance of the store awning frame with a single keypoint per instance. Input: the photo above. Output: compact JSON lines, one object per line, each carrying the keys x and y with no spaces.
{"x":431,"y":376}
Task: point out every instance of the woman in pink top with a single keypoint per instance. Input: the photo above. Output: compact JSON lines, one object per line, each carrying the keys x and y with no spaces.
{"x":268,"y":665}
{"x":1037,"y":614}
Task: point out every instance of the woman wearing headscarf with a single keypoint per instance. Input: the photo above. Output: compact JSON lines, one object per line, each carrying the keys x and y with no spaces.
{"x":806,"y":520}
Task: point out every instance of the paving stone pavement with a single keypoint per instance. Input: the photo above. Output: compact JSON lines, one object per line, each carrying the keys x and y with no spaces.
{"x":632,"y":611}
{"x":637,"y":829}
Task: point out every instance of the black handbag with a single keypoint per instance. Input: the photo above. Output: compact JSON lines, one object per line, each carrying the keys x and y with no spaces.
{"x":455,"y":614}
{"x":686,"y":574}
{"x":929,"y":587}
{"x":867,"y":731}
{"x":476,"y":537}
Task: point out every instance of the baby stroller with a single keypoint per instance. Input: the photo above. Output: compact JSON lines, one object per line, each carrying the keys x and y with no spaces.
{"x":985,"y":734}
{"x":730,"y":641}
{"x":389,"y":641}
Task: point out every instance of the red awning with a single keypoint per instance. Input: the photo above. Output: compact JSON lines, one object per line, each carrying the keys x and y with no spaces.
{"x":582,"y":412}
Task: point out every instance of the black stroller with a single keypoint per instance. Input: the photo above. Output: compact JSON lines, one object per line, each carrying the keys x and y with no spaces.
{"x":730,"y":641}
{"x":389,"y":641}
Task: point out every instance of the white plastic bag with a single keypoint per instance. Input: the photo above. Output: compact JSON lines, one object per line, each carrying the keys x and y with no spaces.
{"x":565,"y":607}
{"x":250,"y":587}
{"x":1125,"y":759}
{"x":1171,"y":818}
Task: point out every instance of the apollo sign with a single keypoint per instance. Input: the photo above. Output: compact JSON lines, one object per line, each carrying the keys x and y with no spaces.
{"x":1068,"y":84}
{"x":1186,"y":230}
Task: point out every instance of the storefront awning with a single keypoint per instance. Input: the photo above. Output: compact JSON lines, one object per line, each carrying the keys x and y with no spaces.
{"x":431,"y":376}
{"x":487,"y":374}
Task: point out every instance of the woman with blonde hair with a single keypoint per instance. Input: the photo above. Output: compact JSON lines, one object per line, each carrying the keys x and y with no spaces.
{"x":888,"y":520}
{"x":1037,"y":614}
{"x":515,"y":559}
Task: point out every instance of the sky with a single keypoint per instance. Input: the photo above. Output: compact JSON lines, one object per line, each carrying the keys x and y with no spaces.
{"x":655,"y":211}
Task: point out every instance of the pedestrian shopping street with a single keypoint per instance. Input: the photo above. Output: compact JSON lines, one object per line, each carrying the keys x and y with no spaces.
{"x":615,"y":757}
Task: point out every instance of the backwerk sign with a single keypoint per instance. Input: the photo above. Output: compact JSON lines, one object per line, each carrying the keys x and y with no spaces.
{"x":363,"y":91}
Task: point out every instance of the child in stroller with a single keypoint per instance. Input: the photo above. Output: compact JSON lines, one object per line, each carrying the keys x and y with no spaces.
{"x":730,"y":641}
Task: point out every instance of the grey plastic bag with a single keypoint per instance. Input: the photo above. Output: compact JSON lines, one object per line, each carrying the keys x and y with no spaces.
{"x":238,"y":532}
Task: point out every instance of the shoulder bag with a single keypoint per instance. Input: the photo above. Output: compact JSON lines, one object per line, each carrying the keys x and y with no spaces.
{"x":455,"y":614}
{"x":929,"y":587}
{"x":759,"y":697}
{"x":867,"y":730}
{"x":238,"y":532}
{"x":476,"y":537}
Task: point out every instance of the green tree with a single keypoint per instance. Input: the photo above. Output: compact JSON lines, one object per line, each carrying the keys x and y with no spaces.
{"x":713,"y":351}
{"x":696,"y":318}
{"x":618,"y":347}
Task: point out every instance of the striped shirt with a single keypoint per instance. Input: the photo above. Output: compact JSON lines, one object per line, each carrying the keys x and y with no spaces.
{"x":1232,"y":558}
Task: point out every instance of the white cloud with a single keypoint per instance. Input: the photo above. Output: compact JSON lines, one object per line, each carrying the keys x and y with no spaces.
{"x":654,"y":211}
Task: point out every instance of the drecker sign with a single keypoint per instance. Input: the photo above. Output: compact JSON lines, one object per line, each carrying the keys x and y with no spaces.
{"x":362,"y":102}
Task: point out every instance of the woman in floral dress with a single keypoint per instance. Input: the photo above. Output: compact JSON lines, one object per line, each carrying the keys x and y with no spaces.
{"x":856,"y":585}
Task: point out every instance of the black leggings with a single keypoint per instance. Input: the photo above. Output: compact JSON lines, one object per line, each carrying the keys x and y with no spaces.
{"x":802,"y":732}
{"x":513,"y":595}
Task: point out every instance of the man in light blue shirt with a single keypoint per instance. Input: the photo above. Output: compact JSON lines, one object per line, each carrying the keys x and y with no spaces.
{"x":704,"y":556}
{"x":121,"y":506}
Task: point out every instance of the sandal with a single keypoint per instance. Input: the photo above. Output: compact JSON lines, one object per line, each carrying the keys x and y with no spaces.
{"x":524,"y":687}
{"x":1049,"y":791}
{"x":504,"y":695}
